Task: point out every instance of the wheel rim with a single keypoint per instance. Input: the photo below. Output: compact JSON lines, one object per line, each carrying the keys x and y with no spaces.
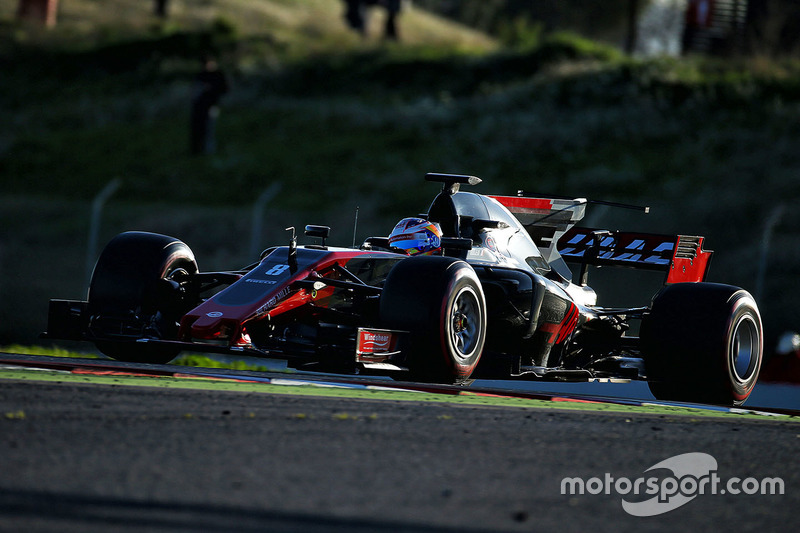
{"x":465,"y":321}
{"x":744,"y":350}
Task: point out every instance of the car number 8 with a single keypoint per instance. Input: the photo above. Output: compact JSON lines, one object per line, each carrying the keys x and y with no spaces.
{"x":276,"y":270}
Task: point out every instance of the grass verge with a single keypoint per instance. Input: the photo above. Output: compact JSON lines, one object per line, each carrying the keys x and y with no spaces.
{"x":465,"y":398}
{"x":188,"y":359}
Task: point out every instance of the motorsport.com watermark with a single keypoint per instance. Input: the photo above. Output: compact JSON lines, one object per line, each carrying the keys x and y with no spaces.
{"x":693,"y":474}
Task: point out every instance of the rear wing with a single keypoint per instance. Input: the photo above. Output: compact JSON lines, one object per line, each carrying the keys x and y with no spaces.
{"x":680,"y":257}
{"x":551,"y":224}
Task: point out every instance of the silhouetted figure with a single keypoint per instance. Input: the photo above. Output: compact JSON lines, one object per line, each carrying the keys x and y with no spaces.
{"x":41,"y":11}
{"x":209,"y":86}
{"x":161,"y":8}
{"x":392,"y":10}
{"x":356,"y":15}
{"x":698,"y":21}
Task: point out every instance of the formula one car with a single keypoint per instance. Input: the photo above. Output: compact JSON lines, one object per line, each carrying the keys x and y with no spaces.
{"x":478,"y":286}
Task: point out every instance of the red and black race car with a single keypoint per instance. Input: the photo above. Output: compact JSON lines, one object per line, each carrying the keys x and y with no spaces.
{"x":478,"y":286}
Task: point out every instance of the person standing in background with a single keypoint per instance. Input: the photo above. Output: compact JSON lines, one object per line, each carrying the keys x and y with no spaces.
{"x":209,"y":87}
{"x":356,"y":16}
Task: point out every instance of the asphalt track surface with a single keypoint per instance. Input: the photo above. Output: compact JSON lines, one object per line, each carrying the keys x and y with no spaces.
{"x":92,"y":457}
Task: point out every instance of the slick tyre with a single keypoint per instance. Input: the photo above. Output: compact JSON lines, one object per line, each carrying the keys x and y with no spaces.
{"x":440,"y":302}
{"x":130,"y":287}
{"x":703,"y":342}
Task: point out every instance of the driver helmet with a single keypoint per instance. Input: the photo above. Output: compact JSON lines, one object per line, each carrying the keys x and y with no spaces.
{"x":416,"y":236}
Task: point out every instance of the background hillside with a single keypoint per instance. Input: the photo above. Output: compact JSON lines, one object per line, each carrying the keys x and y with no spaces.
{"x":344,"y":123}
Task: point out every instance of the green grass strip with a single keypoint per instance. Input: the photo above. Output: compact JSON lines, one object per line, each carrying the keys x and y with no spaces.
{"x":466,"y":398}
{"x":186,"y":359}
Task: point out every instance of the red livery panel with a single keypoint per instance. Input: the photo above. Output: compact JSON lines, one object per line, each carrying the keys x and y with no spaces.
{"x":375,"y":345}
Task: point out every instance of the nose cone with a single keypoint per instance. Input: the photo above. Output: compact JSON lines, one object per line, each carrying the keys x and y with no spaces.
{"x":207,"y":327}
{"x":213,"y":326}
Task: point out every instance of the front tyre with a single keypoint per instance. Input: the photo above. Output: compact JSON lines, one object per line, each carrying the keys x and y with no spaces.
{"x":440,"y":302}
{"x":703,"y":342}
{"x":133,"y":294}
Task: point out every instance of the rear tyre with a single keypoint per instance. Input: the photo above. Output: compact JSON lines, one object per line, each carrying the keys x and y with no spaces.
{"x":703,"y":342}
{"x":131,"y":292}
{"x":440,"y":302}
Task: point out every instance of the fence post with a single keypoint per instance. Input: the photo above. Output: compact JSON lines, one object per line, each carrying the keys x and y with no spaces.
{"x":94,"y":224}
{"x":258,"y":216}
{"x":769,"y":227}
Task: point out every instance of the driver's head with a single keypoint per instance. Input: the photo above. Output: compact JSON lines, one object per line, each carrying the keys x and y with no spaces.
{"x":416,"y":236}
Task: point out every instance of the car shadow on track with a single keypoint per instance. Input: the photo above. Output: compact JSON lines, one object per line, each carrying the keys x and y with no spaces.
{"x":53,"y":511}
